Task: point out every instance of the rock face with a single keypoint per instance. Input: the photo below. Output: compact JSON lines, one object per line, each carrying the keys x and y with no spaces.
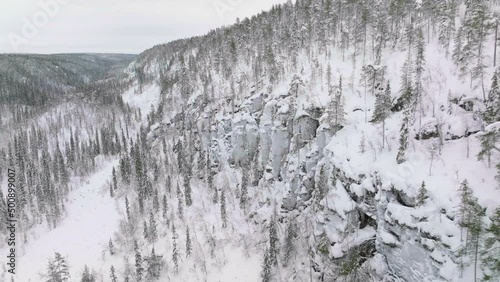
{"x":360,"y":222}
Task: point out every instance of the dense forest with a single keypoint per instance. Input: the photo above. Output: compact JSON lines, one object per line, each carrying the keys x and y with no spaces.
{"x":323,"y":140}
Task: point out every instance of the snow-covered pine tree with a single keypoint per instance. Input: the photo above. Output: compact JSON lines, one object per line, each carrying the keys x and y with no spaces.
{"x":422,"y":195}
{"x":87,"y":276}
{"x":383,"y":104}
{"x":404,"y":137}
{"x":111,"y":247}
{"x":154,"y":266}
{"x":138,"y":263}
{"x":336,"y":113}
{"x":175,"y":251}
{"x":127,"y":209}
{"x":146,"y":231}
{"x":153,"y":234}
{"x":187,"y":190}
{"x":289,"y":248}
{"x":115,"y":181}
{"x":188,"y":243}
{"x":223,"y":211}
{"x":267,"y":267}
{"x":244,"y":188}
{"x":491,"y":253}
{"x":112,"y":274}
{"x":165,"y":206}
{"x":111,"y":191}
{"x":489,"y":144}
{"x":273,"y":242}
{"x":57,"y":270}
{"x":156,"y":201}
{"x":180,"y":204}
{"x":492,"y":113}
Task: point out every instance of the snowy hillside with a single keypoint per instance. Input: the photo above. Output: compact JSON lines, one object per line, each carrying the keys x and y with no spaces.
{"x":319,"y":141}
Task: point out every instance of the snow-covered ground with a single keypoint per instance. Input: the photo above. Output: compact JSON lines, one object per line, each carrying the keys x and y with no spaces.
{"x":149,"y":97}
{"x":91,"y":220}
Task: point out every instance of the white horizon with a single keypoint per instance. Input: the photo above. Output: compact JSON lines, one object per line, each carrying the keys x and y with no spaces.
{"x":113,"y":26}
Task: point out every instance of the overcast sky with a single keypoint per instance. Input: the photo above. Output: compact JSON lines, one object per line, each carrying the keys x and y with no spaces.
{"x":112,"y":26}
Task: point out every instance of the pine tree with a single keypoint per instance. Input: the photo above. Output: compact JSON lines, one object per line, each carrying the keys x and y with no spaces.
{"x":188,"y":243}
{"x":111,"y":192}
{"x":403,"y":138}
{"x":491,"y":257}
{"x":187,"y":190}
{"x":289,"y":247}
{"x":146,"y":231}
{"x":87,"y":276}
{"x":223,"y":212}
{"x":489,"y":141}
{"x":336,"y":113}
{"x":273,"y":242}
{"x":180,"y":207}
{"x":267,"y":266}
{"x":112,"y":274}
{"x":115,"y":181}
{"x":152,"y":234}
{"x":57,"y":270}
{"x":138,"y":263}
{"x":422,"y":195}
{"x":156,"y":201}
{"x":127,"y":209}
{"x":244,"y":189}
{"x":492,"y":113}
{"x":383,"y":104}
{"x":154,"y":266}
{"x":165,"y":206}
{"x":175,"y":251}
{"x":111,"y":247}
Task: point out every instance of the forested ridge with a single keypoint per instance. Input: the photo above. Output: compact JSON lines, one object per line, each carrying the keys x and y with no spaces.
{"x":323,"y":140}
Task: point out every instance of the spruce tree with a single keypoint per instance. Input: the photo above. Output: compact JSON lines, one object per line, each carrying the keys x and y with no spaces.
{"x":112,"y":275}
{"x":244,"y":189}
{"x":489,"y":144}
{"x":273,"y":242}
{"x":403,"y":138}
{"x":383,"y":104}
{"x":138,"y":262}
{"x":336,"y":113}
{"x":111,"y":247}
{"x":180,"y":207}
{"x":492,"y":113}
{"x":111,"y":191}
{"x":153,"y":234}
{"x":175,"y":251}
{"x":127,"y":209}
{"x":165,"y":206}
{"x":146,"y":231}
{"x":422,"y":195}
{"x":156,"y":201}
{"x":188,"y":243}
{"x":115,"y":181}
{"x":154,"y":266}
{"x":491,"y":257}
{"x":87,"y":276}
{"x":267,"y":267}
{"x":289,"y":247}
{"x":223,"y":212}
{"x":187,"y":190}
